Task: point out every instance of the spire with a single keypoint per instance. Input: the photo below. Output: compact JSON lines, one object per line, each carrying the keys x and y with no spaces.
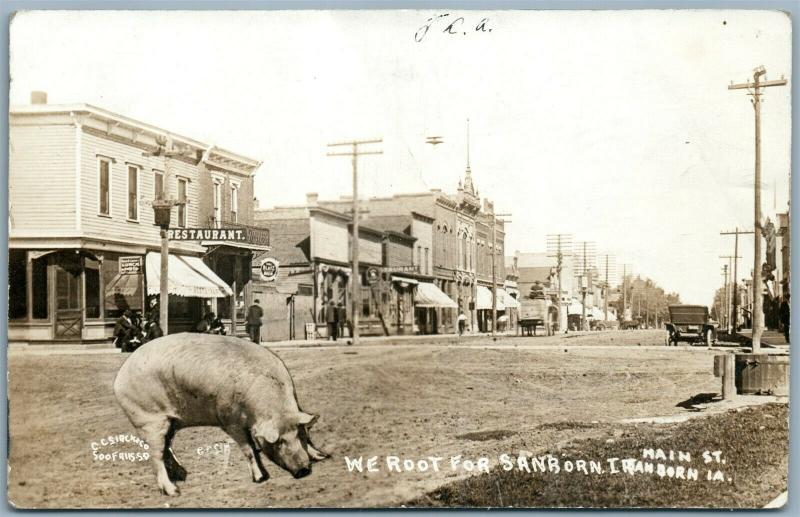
{"x":468,"y":186}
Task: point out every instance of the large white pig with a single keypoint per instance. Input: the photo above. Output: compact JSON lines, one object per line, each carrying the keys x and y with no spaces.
{"x":186,"y":380}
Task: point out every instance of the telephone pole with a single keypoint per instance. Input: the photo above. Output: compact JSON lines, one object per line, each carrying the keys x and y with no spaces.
{"x":724,"y":313}
{"x":736,"y":256}
{"x":494,"y":266}
{"x":557,"y":244}
{"x":730,"y":305}
{"x":586,"y":249}
{"x":755,"y":89}
{"x":624,"y":290}
{"x":355,"y":277}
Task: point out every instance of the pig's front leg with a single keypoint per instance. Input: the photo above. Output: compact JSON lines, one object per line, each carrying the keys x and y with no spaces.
{"x":247,"y":445}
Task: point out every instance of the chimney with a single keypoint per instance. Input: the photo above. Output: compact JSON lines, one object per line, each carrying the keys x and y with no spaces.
{"x":312,"y":198}
{"x":38,"y":97}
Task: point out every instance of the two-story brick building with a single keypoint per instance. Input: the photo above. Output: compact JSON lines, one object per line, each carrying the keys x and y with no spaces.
{"x":82,"y":240}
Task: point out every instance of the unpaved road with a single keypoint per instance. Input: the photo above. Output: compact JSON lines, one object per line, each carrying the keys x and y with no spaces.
{"x":406,"y":400}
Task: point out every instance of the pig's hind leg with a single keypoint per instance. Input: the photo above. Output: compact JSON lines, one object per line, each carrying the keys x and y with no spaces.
{"x":175,"y":470}
{"x":155,"y":433}
{"x":248,"y":447}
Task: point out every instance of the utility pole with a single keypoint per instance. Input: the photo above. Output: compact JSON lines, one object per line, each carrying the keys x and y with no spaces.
{"x":730,"y":297}
{"x":723,"y":315}
{"x":494,"y":265}
{"x":624,"y":290}
{"x":556,"y":245}
{"x":355,"y":277}
{"x":585,"y":247}
{"x":736,"y":256}
{"x":755,"y":89}
{"x":162,"y":209}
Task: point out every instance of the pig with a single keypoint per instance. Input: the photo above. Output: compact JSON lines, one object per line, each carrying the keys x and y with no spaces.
{"x":186,"y":380}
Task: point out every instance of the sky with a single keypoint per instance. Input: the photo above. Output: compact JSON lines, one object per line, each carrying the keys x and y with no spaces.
{"x":614,"y":126}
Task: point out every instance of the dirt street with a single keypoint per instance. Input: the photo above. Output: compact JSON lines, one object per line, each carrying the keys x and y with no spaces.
{"x":407,"y":400}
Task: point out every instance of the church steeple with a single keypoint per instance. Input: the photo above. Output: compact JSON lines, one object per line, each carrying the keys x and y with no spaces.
{"x":469,"y":188}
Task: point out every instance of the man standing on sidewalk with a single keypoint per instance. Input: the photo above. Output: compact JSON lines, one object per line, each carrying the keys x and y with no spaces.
{"x":786,"y":316}
{"x":253,"y":321}
{"x":331,"y":318}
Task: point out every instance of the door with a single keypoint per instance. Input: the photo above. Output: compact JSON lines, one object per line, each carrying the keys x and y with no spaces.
{"x":69,"y":309}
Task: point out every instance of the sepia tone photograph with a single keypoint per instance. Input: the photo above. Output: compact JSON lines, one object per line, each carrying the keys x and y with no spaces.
{"x":399,"y":259}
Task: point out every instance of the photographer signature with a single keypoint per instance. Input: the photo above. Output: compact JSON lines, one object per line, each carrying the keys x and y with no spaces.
{"x":456,"y":26}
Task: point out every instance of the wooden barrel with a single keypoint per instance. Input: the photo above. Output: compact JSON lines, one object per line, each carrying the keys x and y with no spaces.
{"x":762,"y":374}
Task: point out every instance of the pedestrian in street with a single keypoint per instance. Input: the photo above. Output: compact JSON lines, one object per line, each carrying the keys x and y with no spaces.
{"x":253,"y":321}
{"x":785,"y":314}
{"x":332,"y":320}
{"x":462,"y":323}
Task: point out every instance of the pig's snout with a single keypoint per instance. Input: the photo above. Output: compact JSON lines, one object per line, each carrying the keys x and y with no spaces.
{"x":302,"y":472}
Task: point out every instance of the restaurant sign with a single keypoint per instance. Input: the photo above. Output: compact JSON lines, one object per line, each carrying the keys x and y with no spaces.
{"x":130,"y":265}
{"x":207,"y":234}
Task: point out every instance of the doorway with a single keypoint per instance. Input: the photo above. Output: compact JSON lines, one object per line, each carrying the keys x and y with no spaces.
{"x":69,"y":310}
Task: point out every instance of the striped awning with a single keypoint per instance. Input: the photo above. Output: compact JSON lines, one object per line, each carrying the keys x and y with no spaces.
{"x":188,"y":276}
{"x":428,"y":295}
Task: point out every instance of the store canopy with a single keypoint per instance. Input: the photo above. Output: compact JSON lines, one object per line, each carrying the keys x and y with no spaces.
{"x":188,"y":276}
{"x":575,"y":307}
{"x":485,"y":298}
{"x":123,"y":285}
{"x":428,"y":295}
{"x":508,"y":301}
{"x":404,"y":280}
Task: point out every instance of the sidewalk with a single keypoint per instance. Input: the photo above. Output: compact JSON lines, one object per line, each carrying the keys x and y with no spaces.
{"x":769,"y":338}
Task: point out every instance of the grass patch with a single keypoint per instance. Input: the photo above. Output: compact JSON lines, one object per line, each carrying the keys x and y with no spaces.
{"x":754,"y":443}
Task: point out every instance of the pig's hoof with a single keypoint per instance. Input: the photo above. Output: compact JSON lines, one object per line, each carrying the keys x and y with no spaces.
{"x":261,"y":478}
{"x":170,"y":490}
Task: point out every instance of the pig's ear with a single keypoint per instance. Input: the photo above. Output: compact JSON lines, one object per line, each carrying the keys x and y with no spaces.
{"x":266,"y":431}
{"x":307,"y":420}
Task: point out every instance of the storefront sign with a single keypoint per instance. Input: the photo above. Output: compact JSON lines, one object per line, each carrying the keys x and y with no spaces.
{"x":207,"y":234}
{"x":402,"y":269}
{"x":130,"y":265}
{"x":269,"y":269}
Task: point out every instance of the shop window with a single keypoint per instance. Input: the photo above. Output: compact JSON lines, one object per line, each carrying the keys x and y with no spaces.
{"x":121,"y":292}
{"x":17,"y":284}
{"x":92,"y":292}
{"x":39,"y":288}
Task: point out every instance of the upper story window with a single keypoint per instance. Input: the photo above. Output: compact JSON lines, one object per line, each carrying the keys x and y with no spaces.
{"x":217,"y":195}
{"x":133,"y":193}
{"x":183,"y":189}
{"x":234,"y":203}
{"x":104,"y":172}
{"x":158,"y":185}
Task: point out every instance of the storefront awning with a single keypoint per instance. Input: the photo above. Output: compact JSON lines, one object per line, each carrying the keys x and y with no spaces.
{"x":485,"y":298}
{"x":428,"y":295}
{"x":124,"y":285}
{"x":404,"y":279}
{"x":509,"y":301}
{"x":188,"y":276}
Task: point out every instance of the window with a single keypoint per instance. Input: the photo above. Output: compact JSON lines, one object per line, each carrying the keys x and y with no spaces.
{"x":217,"y":203}
{"x":92,"y":291}
{"x":158,"y":185}
{"x":17,"y":284}
{"x":234,"y":203}
{"x":121,"y":292}
{"x":133,"y":193}
{"x":183,"y":185}
{"x":104,"y":182}
{"x":425,"y":264}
